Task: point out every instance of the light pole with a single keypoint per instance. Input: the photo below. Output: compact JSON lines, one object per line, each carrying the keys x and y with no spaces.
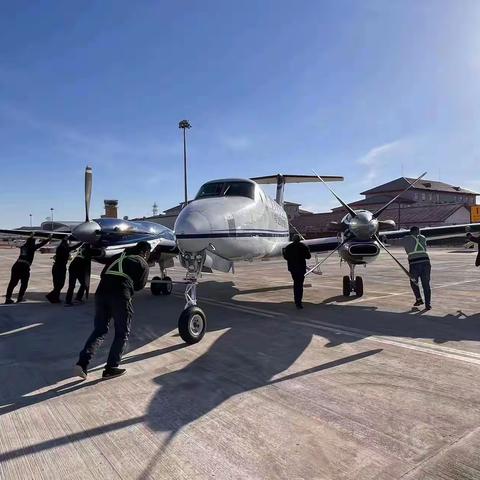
{"x":51,"y":217}
{"x":30,"y":220}
{"x":184,"y":125}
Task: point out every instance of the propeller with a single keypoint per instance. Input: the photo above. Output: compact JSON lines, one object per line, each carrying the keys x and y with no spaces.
{"x":379,"y":211}
{"x":407,"y":273}
{"x":88,"y":230}
{"x":350,"y":210}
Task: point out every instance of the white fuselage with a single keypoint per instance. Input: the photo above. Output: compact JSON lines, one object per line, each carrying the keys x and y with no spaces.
{"x":233,"y":227}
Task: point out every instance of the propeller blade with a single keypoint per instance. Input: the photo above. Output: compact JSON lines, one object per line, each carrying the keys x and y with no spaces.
{"x":350,"y":210}
{"x":88,"y":191}
{"x":327,"y":257}
{"x":379,"y":212}
{"x":407,"y":273}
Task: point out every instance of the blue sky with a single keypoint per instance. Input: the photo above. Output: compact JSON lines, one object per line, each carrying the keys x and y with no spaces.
{"x":364,"y":89}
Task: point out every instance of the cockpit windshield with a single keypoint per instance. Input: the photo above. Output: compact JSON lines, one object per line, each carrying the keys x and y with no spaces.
{"x":226,"y":189}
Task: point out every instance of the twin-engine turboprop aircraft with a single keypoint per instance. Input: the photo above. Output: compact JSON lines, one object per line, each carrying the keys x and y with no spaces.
{"x":232,"y":220}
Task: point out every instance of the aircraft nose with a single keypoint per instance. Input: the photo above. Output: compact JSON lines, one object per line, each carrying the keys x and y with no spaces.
{"x":192,"y":229}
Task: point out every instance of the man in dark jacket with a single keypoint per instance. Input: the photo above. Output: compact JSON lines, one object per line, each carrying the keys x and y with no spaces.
{"x":59,"y":269}
{"x":21,"y":268}
{"x":296,"y":254}
{"x":476,"y":240}
{"x":78,"y":270}
{"x":119,"y":280}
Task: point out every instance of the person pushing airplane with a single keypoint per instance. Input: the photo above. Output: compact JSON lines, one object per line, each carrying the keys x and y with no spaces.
{"x":21,"y":268}
{"x":296,"y":254}
{"x":127,"y":273}
{"x":59,"y":269}
{"x":415,"y":245}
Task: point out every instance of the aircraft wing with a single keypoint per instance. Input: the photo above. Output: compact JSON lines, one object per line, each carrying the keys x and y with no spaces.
{"x":317,"y":245}
{"x":36,"y":233}
{"x":435,"y":233}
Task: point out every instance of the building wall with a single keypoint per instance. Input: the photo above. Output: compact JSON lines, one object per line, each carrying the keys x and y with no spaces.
{"x":462,"y":215}
{"x":428,"y":197}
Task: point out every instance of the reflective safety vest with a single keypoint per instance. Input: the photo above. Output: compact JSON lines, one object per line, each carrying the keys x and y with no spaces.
{"x":116,"y":268}
{"x":419,"y":250}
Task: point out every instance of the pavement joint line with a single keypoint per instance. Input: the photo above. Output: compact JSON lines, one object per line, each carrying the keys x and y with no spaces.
{"x":20,"y":329}
{"x":423,"y":349}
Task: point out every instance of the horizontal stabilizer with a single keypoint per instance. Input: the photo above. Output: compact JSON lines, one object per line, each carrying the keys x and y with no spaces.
{"x":273,"y":179}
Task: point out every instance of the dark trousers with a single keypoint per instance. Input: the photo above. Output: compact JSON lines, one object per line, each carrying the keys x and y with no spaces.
{"x":20,"y":273}
{"x":108,"y":306}
{"x":59,"y":274}
{"x":298,"y":280}
{"x":421,"y":271}
{"x":73,"y":276}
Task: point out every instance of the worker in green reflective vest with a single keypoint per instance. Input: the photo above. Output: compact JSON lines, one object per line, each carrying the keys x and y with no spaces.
{"x":119,"y":280}
{"x":415,"y":245}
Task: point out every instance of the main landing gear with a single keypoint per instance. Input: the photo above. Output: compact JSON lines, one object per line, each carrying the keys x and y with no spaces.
{"x":352,"y":283}
{"x":161,"y":285}
{"x":192,"y":323}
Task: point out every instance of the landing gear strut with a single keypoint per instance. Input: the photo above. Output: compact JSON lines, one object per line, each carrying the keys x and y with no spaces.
{"x":192,"y":323}
{"x":352,"y":283}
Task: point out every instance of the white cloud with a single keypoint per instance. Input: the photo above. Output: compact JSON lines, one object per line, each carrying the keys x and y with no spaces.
{"x":378,"y":157}
{"x":236,"y":143}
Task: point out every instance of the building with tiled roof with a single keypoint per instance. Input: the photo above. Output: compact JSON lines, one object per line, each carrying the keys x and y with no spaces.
{"x":427,"y":204}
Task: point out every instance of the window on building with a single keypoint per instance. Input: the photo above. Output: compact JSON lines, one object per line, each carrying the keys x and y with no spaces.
{"x":424,"y":196}
{"x":416,"y":196}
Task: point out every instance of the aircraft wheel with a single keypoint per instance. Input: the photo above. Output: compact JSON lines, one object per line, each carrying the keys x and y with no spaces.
{"x":156,"y":288}
{"x":346,"y":286}
{"x":167,"y":287}
{"x":359,"y":286}
{"x":192,"y":325}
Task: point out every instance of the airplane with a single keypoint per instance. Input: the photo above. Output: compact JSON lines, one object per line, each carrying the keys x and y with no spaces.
{"x":360,"y":239}
{"x":229,"y":220}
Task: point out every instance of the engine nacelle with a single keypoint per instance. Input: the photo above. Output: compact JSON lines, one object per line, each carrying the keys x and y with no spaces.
{"x":359,"y":253}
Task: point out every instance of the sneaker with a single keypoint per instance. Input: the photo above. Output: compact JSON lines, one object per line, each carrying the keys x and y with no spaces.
{"x":428,"y":307}
{"x":299,"y":306}
{"x":112,"y":372}
{"x":418,"y":303}
{"x":80,"y":371}
{"x":20,"y":299}
{"x":8,"y":301}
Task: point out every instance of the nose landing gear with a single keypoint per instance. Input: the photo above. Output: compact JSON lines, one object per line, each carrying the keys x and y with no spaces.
{"x":192,"y":323}
{"x":352,"y":283}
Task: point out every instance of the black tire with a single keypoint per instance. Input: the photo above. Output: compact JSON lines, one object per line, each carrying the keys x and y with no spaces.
{"x":346,"y":286}
{"x":359,"y":286}
{"x":167,"y":287}
{"x":192,"y":325}
{"x":156,"y":288}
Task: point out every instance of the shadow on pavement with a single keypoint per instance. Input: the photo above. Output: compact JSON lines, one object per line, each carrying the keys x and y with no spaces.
{"x":250,"y":354}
